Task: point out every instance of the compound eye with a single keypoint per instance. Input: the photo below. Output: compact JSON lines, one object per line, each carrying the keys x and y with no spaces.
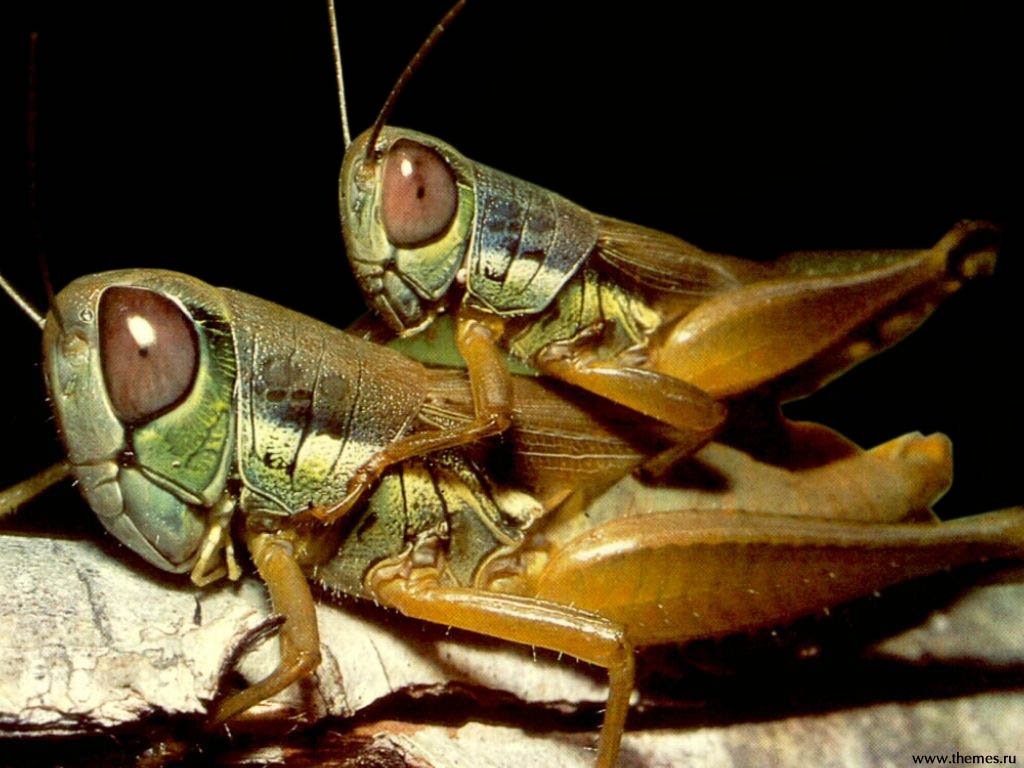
{"x":418,"y":193}
{"x":149,"y":351}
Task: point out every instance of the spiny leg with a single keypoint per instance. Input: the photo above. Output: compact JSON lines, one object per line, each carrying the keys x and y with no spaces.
{"x":740,"y":339}
{"x":670,"y":400}
{"x":677,"y":576}
{"x":587,"y":636}
{"x":299,"y":637}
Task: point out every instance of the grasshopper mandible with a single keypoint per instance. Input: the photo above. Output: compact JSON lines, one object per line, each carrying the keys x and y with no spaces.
{"x":635,"y":315}
{"x":197,"y":417}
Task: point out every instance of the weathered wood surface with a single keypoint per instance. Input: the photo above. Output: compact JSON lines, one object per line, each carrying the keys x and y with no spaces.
{"x":89,"y":644}
{"x":883,"y":735}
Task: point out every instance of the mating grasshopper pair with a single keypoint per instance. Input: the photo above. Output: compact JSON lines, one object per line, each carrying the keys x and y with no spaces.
{"x":506,"y":557}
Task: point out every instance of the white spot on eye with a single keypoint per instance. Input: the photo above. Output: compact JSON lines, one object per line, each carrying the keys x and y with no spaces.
{"x":406,"y":167}
{"x":142,"y":331}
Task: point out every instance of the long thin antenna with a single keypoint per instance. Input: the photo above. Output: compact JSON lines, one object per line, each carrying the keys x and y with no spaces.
{"x":22,"y":302}
{"x":13,"y":497}
{"x":345,"y":134}
{"x":407,"y":73}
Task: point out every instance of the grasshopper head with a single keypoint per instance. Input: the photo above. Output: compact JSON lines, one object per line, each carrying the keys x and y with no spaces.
{"x":140,"y":367}
{"x":407,"y":208}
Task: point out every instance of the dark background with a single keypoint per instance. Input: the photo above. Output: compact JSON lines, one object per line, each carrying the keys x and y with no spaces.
{"x":206,"y":139}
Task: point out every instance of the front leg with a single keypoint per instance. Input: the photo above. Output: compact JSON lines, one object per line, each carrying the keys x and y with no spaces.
{"x":477,"y":337}
{"x":299,"y":636}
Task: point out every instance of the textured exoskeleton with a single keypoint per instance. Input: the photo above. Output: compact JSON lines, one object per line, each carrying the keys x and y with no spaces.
{"x":195,"y":416}
{"x":637,"y":316}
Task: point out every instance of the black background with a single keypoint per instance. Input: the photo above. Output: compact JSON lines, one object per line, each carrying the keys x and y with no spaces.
{"x":206,"y":139}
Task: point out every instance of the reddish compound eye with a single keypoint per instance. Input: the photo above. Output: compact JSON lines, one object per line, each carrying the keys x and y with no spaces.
{"x":149,"y":351}
{"x":418,"y":193}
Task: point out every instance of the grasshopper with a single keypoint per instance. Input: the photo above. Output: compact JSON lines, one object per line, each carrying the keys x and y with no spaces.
{"x":817,"y":536}
{"x":196,"y":419}
{"x":627,"y":312}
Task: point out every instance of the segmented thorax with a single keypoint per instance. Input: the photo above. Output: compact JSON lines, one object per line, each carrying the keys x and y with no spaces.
{"x":418,"y":216}
{"x":313,"y":403}
{"x":527,"y":243}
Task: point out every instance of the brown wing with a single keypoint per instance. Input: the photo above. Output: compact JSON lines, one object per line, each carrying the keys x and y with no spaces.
{"x":563,"y":441}
{"x":666,"y":263}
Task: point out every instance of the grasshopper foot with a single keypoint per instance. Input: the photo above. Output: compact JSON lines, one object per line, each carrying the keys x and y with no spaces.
{"x":972,"y":248}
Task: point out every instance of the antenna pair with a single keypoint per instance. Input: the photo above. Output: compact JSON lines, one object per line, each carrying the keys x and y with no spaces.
{"x":403,"y":79}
